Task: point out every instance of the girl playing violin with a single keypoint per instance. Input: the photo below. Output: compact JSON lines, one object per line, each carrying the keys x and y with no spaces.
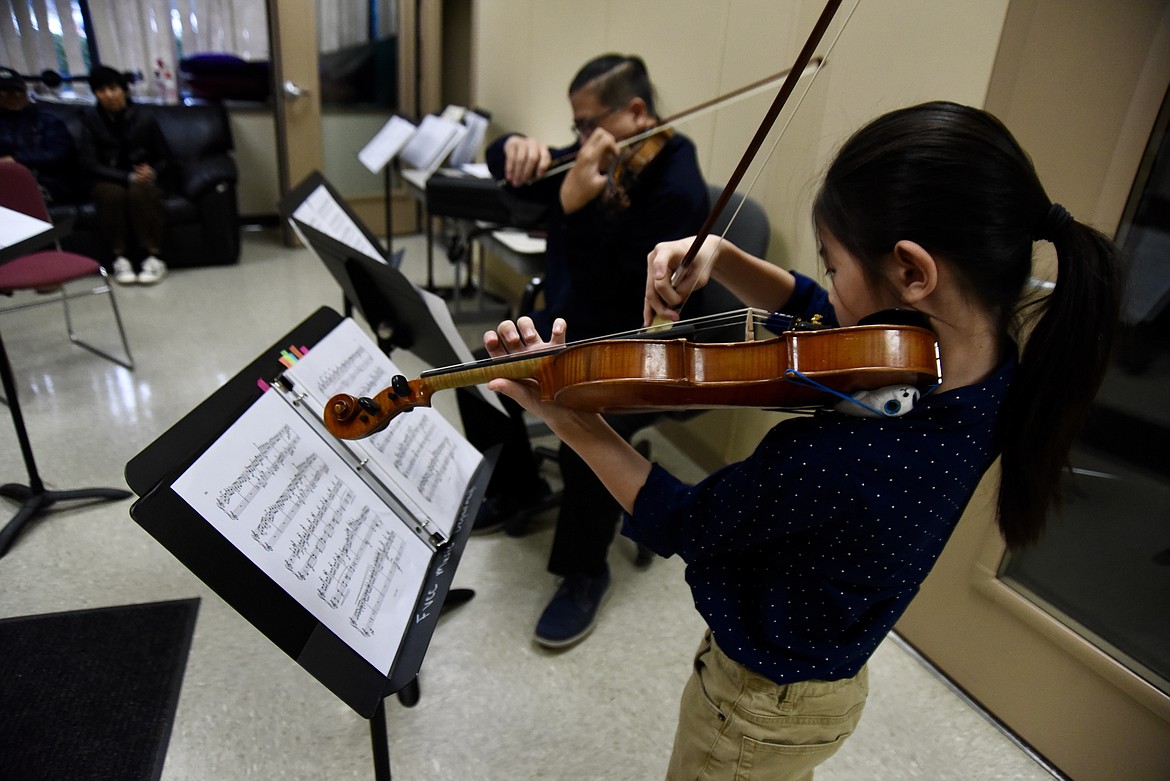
{"x":802,"y":556}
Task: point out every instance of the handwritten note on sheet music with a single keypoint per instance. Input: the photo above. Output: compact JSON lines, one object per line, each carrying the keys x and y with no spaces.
{"x":421,"y":457}
{"x":282,"y":496}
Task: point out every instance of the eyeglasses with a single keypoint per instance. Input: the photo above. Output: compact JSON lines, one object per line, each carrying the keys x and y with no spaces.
{"x":585,"y":126}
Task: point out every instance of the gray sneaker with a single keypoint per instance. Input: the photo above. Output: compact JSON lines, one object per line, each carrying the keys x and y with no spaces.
{"x":153,"y":270}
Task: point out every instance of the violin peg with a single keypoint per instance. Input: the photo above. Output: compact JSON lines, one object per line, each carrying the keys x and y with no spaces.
{"x":343,"y":407}
{"x":401,"y":386}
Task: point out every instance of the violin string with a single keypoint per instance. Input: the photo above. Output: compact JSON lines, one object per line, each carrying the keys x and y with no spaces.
{"x":703,"y":324}
{"x":807,"y":85}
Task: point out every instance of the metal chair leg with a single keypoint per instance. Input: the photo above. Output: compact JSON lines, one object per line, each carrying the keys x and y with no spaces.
{"x":106,"y":289}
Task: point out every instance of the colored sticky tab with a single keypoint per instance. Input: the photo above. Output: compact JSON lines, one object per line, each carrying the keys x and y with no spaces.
{"x":263,"y":385}
{"x":287,"y":360}
{"x":298,"y":354}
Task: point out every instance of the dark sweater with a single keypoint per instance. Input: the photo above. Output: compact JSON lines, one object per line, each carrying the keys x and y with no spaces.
{"x":802,"y":556}
{"x":595,"y":264}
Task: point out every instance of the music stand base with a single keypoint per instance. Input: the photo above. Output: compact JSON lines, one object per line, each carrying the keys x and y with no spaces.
{"x":408,"y":697}
{"x":33,"y":502}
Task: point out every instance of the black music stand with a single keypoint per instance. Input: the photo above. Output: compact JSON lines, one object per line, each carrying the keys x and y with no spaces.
{"x":34,"y":498}
{"x":389,"y":302}
{"x":399,"y":317}
{"x":224,"y":568}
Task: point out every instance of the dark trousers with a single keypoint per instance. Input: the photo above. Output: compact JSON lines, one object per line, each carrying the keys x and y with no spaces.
{"x":124,"y":207}
{"x":588,"y":515}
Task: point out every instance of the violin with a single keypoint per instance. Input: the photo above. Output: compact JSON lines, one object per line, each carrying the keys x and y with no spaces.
{"x":802,"y":367}
{"x":630,"y":165}
{"x":666,"y":124}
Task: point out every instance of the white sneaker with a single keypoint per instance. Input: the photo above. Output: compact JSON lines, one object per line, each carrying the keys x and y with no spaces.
{"x":153,"y":270}
{"x":124,"y":272}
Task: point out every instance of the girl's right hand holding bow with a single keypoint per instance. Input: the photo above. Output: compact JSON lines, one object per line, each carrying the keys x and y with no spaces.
{"x":754,"y":281}
{"x":665,"y":295}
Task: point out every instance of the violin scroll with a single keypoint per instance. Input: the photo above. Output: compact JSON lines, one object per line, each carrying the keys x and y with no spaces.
{"x":353,"y":417}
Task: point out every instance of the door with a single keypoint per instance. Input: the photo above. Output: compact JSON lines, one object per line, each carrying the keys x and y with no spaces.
{"x":293,"y":32}
{"x":320,"y":125}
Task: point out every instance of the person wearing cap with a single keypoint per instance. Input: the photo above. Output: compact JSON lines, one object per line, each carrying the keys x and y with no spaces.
{"x":36,"y":139}
{"x":127,"y":159}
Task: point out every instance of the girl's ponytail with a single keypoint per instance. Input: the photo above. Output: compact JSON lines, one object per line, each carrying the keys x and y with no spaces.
{"x":1063,"y":363}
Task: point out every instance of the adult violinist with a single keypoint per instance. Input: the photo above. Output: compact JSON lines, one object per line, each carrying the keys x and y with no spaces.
{"x":595,"y":265}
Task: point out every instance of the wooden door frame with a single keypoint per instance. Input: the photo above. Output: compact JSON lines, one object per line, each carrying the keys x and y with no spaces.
{"x":292,"y":25}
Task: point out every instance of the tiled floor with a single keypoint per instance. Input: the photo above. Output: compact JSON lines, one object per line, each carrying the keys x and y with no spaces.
{"x":494,"y":705}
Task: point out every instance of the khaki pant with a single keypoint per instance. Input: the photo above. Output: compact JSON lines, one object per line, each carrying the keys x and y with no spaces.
{"x":737,"y":725}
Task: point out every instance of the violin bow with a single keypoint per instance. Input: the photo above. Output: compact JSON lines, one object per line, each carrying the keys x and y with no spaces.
{"x":802,"y":61}
{"x":565,"y":162}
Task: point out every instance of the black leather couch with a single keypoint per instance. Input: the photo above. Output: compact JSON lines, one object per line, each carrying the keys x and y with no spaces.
{"x":203,"y":227}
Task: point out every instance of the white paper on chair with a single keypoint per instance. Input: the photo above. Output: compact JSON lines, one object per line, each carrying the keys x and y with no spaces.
{"x":16,"y":226}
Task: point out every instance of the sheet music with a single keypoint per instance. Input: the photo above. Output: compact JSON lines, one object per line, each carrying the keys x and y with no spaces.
{"x":442,"y":315}
{"x":386,"y":143}
{"x":429,"y":147}
{"x":321,"y":211}
{"x":453,"y":113}
{"x":468,"y":147}
{"x":420,"y":456}
{"x":277,"y":492}
{"x":16,"y":226}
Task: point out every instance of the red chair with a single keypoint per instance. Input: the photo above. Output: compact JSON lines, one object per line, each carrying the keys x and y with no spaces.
{"x":49,"y":271}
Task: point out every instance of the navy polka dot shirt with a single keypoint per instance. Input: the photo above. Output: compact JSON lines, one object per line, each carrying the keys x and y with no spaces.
{"x":803,"y":556}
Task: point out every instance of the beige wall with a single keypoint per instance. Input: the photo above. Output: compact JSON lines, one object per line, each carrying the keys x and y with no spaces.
{"x":1080,"y":84}
{"x":891,"y":53}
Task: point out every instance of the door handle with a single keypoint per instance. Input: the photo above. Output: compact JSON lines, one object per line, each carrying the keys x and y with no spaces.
{"x":292,"y":91}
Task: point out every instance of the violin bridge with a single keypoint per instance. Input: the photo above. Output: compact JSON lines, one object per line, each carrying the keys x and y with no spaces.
{"x":749,"y":325}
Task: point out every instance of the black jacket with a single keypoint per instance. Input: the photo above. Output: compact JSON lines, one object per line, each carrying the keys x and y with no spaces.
{"x":112,"y":144}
